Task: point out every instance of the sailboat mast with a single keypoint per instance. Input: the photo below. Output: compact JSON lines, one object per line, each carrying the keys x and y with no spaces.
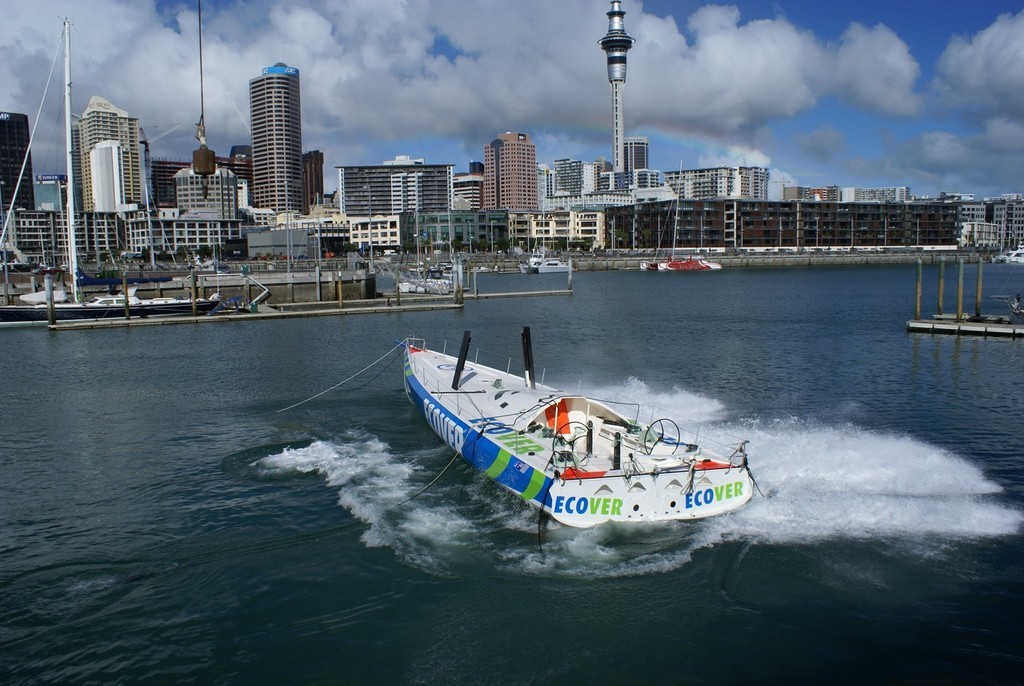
{"x":72,"y":246}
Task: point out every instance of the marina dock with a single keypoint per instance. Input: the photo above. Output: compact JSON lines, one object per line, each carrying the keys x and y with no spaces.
{"x":965,"y":328}
{"x":961,"y":323}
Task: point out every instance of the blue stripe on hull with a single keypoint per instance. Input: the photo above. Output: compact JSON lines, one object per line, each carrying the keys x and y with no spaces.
{"x":478,"y":449}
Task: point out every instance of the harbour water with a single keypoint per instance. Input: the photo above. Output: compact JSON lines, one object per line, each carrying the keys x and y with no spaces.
{"x":170,"y":514}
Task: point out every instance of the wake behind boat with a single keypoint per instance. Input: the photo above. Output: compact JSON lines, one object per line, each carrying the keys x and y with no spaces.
{"x":575,"y":457}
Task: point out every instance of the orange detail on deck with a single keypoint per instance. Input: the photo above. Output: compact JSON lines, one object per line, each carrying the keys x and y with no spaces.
{"x":713,"y":464}
{"x":573,"y":473}
{"x":558,"y":412}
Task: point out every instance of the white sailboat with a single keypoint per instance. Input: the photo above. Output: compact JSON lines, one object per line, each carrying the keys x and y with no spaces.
{"x":103,"y":306}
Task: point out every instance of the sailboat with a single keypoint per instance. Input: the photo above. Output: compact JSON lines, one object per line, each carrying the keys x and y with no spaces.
{"x":103,"y":306}
{"x":672,"y":264}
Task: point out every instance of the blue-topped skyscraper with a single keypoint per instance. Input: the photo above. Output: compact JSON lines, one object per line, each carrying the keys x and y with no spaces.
{"x":276,"y":114}
{"x":616,"y":44}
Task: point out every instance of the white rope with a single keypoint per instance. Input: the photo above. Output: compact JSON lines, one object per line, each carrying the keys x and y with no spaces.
{"x":341,"y":383}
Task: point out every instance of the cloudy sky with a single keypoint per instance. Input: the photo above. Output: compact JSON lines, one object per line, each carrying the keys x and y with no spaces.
{"x":928,"y":95}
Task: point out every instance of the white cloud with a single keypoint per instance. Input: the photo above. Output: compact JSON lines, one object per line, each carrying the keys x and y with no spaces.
{"x":986,"y":71}
{"x":403,"y":71}
{"x":875,"y":71}
{"x":734,"y":156}
{"x":733,"y":79}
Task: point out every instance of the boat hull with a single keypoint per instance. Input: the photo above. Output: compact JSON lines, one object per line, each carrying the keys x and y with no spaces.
{"x":572,"y":482}
{"x":80,"y":311}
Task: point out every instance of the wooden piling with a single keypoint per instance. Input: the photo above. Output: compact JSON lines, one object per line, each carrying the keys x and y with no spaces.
{"x":960,"y":289}
{"x":977,"y":293}
{"x":124,"y":294}
{"x":917,"y":300}
{"x":51,"y":311}
{"x":942,"y":282}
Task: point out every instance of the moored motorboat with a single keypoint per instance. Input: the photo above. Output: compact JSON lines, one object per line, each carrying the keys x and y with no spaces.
{"x":577,"y":458}
{"x":542,"y":263}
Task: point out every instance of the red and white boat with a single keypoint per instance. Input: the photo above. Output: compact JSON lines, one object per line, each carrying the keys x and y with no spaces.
{"x":690,"y":264}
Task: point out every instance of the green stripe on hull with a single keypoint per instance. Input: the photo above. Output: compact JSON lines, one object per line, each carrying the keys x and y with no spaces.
{"x":536,"y":483}
{"x":499,"y":464}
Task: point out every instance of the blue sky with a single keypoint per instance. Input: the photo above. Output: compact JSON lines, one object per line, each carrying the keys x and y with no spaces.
{"x":926,"y":95}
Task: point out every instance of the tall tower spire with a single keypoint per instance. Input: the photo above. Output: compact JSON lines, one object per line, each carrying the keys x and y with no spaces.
{"x":616,"y":43}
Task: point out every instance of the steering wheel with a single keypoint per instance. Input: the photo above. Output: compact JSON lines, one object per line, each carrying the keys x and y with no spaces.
{"x":656,"y":429}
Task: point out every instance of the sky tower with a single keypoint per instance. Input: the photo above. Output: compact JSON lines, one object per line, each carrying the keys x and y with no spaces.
{"x":616,"y":43}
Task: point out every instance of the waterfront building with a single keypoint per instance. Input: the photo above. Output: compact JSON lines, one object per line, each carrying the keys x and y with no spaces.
{"x":41,"y":235}
{"x":380,"y":232}
{"x":581,"y":227}
{"x":734,"y":224}
{"x":395,"y":186}
{"x":184,"y":234}
{"x":616,"y":43}
{"x":510,"y":173}
{"x":1009,"y":216}
{"x":276,"y":125}
{"x":14,"y":147}
{"x":439,"y":232}
{"x":108,"y":152}
{"x":595,"y":199}
{"x":981,"y":235}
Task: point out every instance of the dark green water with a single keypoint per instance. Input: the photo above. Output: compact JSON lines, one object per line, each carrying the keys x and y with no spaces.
{"x":161,"y":521}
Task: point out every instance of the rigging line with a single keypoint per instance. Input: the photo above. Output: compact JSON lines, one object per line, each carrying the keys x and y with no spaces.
{"x":96,"y":71}
{"x":202,"y":92}
{"x":432,"y":481}
{"x":31,"y":140}
{"x":341,"y":383}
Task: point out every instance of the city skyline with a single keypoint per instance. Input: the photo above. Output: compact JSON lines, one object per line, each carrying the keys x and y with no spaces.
{"x":874,"y":95}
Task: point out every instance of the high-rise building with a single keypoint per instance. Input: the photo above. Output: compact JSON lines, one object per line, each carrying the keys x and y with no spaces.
{"x":400,"y":185}
{"x":106,"y":173}
{"x":575,"y":177}
{"x":215,"y":196}
{"x":116,"y":136}
{"x":467,"y":187}
{"x":616,"y":43}
{"x":312,"y":179}
{"x":51,"y":192}
{"x":276,"y":117}
{"x":14,"y":140}
{"x":720,"y":182}
{"x":635,"y":154}
{"x":510,"y":173}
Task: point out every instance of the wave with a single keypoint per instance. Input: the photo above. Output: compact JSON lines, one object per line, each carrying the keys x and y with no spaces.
{"x":821,"y":483}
